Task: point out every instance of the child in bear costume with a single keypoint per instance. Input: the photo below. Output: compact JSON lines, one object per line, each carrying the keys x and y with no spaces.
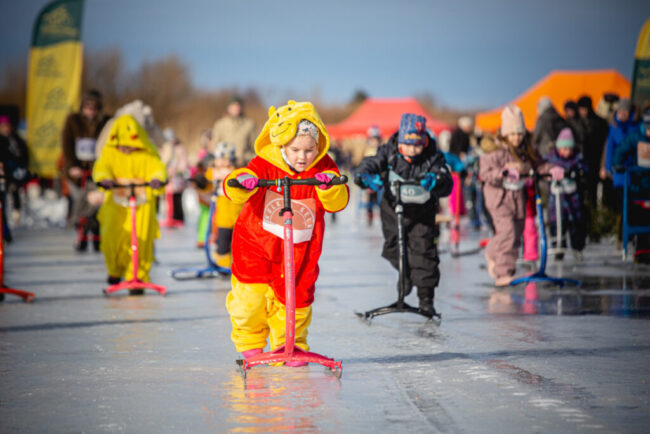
{"x":293,"y":143}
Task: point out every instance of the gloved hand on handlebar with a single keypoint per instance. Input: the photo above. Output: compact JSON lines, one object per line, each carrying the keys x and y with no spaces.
{"x":557,"y":173}
{"x":107,"y":184}
{"x":325,"y":178}
{"x":372,"y":182}
{"x":512,"y":174}
{"x":155,"y":184}
{"x":429,"y":181}
{"x":249,"y":182}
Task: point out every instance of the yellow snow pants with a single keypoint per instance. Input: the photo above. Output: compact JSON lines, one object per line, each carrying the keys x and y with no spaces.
{"x":256,"y":313}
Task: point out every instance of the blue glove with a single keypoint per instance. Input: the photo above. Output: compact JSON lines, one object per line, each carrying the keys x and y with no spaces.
{"x":429,"y":181}
{"x":373,"y":182}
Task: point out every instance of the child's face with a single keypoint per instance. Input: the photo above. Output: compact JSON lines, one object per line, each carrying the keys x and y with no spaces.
{"x":301,"y":152}
{"x":410,"y":150}
{"x":221,"y":163}
{"x":565,"y":152}
{"x":515,"y":139}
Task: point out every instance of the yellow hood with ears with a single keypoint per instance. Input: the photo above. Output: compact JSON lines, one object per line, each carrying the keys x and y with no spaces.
{"x":281,"y":128}
{"x":126,"y":131}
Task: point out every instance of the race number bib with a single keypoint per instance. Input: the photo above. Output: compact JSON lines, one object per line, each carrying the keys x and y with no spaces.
{"x":643,"y":154}
{"x":304,"y":216}
{"x":565,"y":186}
{"x":409,"y":193}
{"x":85,"y":149}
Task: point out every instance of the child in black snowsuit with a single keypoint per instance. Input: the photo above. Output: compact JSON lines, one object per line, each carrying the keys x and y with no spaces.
{"x":411,"y":153}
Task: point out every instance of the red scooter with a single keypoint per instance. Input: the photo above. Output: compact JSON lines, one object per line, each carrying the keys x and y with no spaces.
{"x":134,"y":283}
{"x":289,"y":352}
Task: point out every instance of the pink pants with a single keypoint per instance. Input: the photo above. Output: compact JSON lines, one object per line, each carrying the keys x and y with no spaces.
{"x":456,"y":196}
{"x":531,"y":237}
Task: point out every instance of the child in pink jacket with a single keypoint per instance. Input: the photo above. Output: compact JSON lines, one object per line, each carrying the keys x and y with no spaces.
{"x":505,"y":195}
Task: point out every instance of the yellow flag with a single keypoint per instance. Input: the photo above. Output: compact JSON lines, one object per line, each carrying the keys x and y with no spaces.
{"x":54,"y":81}
{"x":641,"y":74}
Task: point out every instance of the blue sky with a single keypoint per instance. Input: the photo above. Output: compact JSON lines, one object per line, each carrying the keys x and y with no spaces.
{"x":468,"y":54}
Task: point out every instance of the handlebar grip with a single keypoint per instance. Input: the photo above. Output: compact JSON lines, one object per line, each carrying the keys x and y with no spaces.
{"x":338,"y":180}
{"x":232,"y":182}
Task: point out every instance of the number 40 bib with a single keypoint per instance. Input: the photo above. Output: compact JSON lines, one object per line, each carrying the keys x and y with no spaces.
{"x":304,"y":216}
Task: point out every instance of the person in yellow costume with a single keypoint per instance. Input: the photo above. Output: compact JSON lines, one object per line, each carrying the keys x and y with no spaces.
{"x":128,"y":156}
{"x":293,"y":143}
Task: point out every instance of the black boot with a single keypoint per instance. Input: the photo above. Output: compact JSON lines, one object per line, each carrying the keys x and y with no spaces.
{"x":426,"y":301}
{"x":136,"y":291}
{"x":81,"y":246}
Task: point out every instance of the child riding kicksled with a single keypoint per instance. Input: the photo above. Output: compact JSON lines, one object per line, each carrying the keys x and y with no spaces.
{"x":293,"y":144}
{"x":411,"y":154}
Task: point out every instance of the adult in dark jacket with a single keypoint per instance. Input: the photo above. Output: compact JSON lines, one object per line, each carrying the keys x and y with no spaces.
{"x":411,"y":153}
{"x":78,"y":141}
{"x":548,"y":126}
{"x":17,"y":163}
{"x":635,"y":152}
{"x":460,"y":139}
{"x":620,"y":127}
{"x":4,"y":182}
{"x":594,"y":130}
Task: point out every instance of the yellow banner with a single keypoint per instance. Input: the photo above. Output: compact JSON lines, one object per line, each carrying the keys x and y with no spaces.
{"x":53,"y":91}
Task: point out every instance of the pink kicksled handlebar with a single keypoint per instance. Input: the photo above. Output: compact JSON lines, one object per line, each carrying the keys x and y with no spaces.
{"x":289,"y":352}
{"x":134,"y":283}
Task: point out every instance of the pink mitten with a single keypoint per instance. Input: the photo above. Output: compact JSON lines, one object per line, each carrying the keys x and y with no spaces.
{"x":557,"y":173}
{"x":325,"y":178}
{"x":513,"y":174}
{"x":249,"y":182}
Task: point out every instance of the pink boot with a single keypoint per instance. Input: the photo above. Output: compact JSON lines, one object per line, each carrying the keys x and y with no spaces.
{"x":250,"y":353}
{"x":295,"y":364}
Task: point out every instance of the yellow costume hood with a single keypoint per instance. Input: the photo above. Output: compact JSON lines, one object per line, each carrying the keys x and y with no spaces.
{"x":281,"y":128}
{"x":126,"y":131}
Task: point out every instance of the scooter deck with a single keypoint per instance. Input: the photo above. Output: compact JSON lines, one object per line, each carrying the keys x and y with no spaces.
{"x":135,"y":284}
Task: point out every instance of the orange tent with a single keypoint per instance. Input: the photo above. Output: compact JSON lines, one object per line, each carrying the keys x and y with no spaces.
{"x":385,"y":113}
{"x":560,"y":86}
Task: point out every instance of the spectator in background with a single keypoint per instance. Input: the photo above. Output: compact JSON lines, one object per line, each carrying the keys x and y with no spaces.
{"x":174,"y":156}
{"x":460,"y":139}
{"x":79,"y":140}
{"x":570,"y":111}
{"x":594,"y":130}
{"x":17,"y":163}
{"x":4,"y":163}
{"x":548,"y":126}
{"x":623,"y":123}
{"x":237,"y":129}
{"x":635,"y":152}
{"x":371,"y":198}
{"x":607,"y":106}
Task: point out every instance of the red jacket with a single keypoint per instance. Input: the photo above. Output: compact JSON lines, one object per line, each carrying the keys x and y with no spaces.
{"x":258,"y":253}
